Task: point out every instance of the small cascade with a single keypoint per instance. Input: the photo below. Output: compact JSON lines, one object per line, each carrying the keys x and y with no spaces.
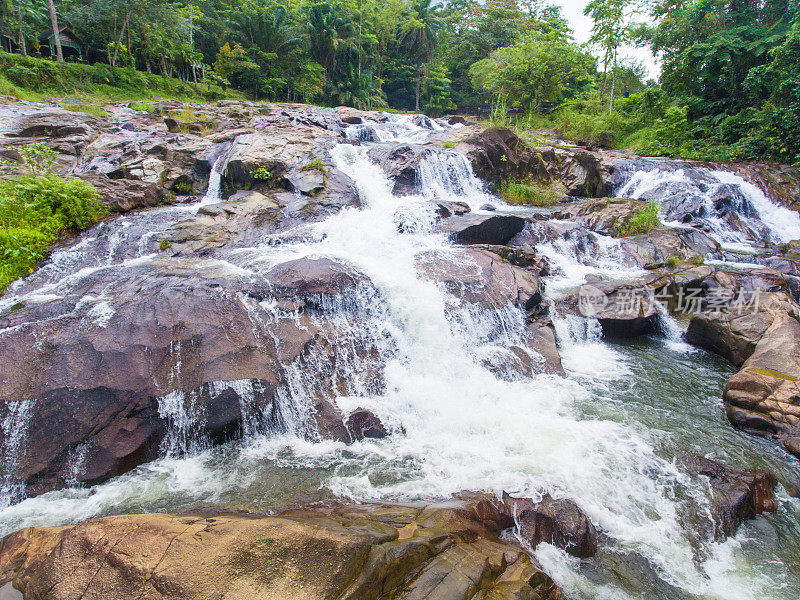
{"x":406,"y":129}
{"x":731,"y":209}
{"x":14,"y":427}
{"x":784,"y":224}
{"x":671,"y":331}
{"x":184,"y":434}
{"x":214,"y":192}
{"x":360,"y":133}
{"x":578,"y":253}
{"x":448,"y":176}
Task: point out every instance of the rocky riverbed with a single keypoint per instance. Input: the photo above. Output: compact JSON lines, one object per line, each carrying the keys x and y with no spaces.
{"x":300,"y":309}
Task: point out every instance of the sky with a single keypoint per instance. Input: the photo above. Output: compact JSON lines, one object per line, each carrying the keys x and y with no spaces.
{"x":573,"y":12}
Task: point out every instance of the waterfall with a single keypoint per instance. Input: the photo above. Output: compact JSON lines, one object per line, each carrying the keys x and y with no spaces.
{"x":733,"y":210}
{"x":14,"y":427}
{"x":449,"y":176}
{"x":214,"y":192}
{"x":424,"y":358}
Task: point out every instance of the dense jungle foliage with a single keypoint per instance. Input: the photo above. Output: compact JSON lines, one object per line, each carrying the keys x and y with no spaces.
{"x":730,"y":87}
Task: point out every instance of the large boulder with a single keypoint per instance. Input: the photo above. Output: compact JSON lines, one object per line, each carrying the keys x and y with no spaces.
{"x":762,"y":336}
{"x":483,"y":229}
{"x":350,"y":553}
{"x":134,"y":355}
{"x":764,"y":397}
{"x":499,"y":155}
{"x":481,"y":277}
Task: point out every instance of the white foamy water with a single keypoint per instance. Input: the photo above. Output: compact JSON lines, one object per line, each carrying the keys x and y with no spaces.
{"x":783,"y":223}
{"x":756,"y":217}
{"x":457,"y":425}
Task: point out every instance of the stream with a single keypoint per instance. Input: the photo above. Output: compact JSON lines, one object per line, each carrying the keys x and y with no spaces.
{"x":610,"y":435}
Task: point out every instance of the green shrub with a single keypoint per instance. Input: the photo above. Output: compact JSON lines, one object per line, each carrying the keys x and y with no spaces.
{"x":673,"y":262}
{"x":30,"y":78}
{"x":164,"y":244}
{"x":448,"y":145}
{"x":642,"y":221}
{"x":261,"y":174}
{"x":34,"y":211}
{"x":534,"y":193}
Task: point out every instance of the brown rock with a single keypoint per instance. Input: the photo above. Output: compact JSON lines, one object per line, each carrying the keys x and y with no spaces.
{"x":349,"y":553}
{"x":737,"y":495}
{"x":364,"y":424}
{"x":557,"y":522}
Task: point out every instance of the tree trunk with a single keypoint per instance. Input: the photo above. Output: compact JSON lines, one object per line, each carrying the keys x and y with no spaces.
{"x":119,"y":40}
{"x":56,"y":35}
{"x":22,"y":46}
{"x":416,"y":87}
{"x":613,"y":81}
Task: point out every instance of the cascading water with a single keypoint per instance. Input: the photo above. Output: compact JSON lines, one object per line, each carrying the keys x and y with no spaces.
{"x":14,"y":427}
{"x":592,"y":437}
{"x":734,"y":211}
{"x":213,"y":193}
{"x":448,"y":176}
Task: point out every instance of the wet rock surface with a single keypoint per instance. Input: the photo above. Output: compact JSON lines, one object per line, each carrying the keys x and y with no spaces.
{"x":499,"y":155}
{"x":736,"y":495}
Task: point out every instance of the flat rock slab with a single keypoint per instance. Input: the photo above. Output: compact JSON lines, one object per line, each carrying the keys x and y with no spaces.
{"x":350,"y":553}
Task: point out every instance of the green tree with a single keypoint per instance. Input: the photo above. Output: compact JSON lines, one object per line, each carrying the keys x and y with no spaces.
{"x":538,"y":69}
{"x":610,"y":30}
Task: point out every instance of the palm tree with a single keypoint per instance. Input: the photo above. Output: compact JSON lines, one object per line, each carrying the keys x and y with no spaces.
{"x":419,"y":35}
{"x":54,"y":23}
{"x":268,"y":28}
{"x":327,"y":33}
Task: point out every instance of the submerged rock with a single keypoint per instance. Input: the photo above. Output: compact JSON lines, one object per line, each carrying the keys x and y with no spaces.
{"x":558,"y":522}
{"x":349,"y":553}
{"x":364,"y":424}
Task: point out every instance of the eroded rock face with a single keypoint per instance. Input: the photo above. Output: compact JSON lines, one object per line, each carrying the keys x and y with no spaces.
{"x":763,"y":338}
{"x":362,"y":553}
{"x":499,"y":155}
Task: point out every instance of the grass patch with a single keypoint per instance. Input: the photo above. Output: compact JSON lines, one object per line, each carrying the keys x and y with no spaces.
{"x":448,"y":144}
{"x":642,"y":221}
{"x":316,"y":165}
{"x":36,"y":207}
{"x":147,"y":107}
{"x":89,"y":109}
{"x":534,"y":193}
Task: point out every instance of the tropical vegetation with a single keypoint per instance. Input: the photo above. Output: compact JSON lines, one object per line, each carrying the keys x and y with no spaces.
{"x":729,"y":89}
